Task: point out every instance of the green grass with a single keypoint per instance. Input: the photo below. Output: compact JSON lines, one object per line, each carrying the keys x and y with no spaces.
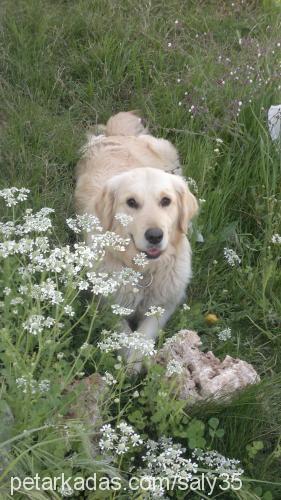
{"x":67,"y":65}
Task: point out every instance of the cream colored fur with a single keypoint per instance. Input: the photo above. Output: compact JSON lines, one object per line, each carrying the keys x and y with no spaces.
{"x":124,"y":163}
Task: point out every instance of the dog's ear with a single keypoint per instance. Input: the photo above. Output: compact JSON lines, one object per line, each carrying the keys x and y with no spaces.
{"x":104,"y":206}
{"x":187,"y":203}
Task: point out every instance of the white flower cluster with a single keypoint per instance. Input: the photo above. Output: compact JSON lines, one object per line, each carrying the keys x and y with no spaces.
{"x":102,"y":284}
{"x":164,"y":458}
{"x":85,"y":222}
{"x":113,"y":341}
{"x":36,"y":323}
{"x":39,"y":222}
{"x":231,"y":257}
{"x":119,"y":440}
{"x":140,"y":259}
{"x":47,"y":291}
{"x":12,"y":196}
{"x":29,"y":385}
{"x":174,"y":367}
{"x":155,"y":311}
{"x":124,"y":219}
{"x":7,"y":228}
{"x":109,"y":379}
{"x":109,"y":240}
{"x":193,"y":184}
{"x":24,"y":246}
{"x":66,"y":491}
{"x":122,"y":311}
{"x":225,"y":334}
{"x":218,"y":463}
{"x":16,"y":301}
{"x":276,"y":239}
{"x":69,"y":311}
{"x":128,"y":276}
{"x":176,"y":339}
{"x":67,"y":263}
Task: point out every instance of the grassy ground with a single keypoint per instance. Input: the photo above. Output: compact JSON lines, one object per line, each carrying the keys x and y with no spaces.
{"x":203,"y":74}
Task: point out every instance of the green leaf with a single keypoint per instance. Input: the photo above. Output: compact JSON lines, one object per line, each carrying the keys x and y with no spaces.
{"x":220,"y":433}
{"x":267,"y":496}
{"x":258,"y":445}
{"x":214,"y":422}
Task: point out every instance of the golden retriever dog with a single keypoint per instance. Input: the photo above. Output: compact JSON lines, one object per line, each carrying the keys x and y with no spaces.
{"x":126,"y":170}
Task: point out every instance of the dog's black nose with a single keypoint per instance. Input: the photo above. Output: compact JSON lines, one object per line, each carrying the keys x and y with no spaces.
{"x":154,"y":235}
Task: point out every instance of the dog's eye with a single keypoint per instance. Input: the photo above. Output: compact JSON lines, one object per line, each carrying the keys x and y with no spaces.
{"x":131,"y":202}
{"x":165,"y":201}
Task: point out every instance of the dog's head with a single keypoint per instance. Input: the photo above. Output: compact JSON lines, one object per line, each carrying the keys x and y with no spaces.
{"x":159,"y":203}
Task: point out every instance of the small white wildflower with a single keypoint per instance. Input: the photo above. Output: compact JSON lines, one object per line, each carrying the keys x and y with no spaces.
{"x":47,"y":290}
{"x":12,"y":196}
{"x":120,"y":439}
{"x":231,"y":257}
{"x":109,"y":379}
{"x":124,"y":219}
{"x":82,"y":285}
{"x":36,"y":323}
{"x":84,"y":346}
{"x":140,"y":259}
{"x":32,"y":386}
{"x":44,"y":386}
{"x":66,"y":490}
{"x":193,"y":184}
{"x":276,"y":239}
{"x":26,"y":385}
{"x":38,"y":222}
{"x":136,"y":341}
{"x":69,"y":311}
{"x":7,"y":291}
{"x":102,"y":283}
{"x":122,"y":311}
{"x":218,"y":463}
{"x":16,"y":301}
{"x":136,"y":394}
{"x":155,"y":311}
{"x":225,"y":334}
{"x":85,"y":222}
{"x":186,"y":307}
{"x":60,"y":355}
{"x":174,"y":367}
{"x":219,"y":141}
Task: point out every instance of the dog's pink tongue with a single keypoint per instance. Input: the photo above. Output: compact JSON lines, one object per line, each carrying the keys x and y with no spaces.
{"x":154,"y":252}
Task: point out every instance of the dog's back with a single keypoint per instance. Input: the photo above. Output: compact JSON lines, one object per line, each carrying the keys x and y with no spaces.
{"x":123,"y":145}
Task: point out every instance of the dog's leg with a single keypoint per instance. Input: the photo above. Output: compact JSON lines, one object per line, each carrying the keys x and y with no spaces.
{"x":149,"y":328}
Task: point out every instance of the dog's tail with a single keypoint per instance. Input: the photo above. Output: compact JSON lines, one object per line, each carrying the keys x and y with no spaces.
{"x":125,"y":123}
